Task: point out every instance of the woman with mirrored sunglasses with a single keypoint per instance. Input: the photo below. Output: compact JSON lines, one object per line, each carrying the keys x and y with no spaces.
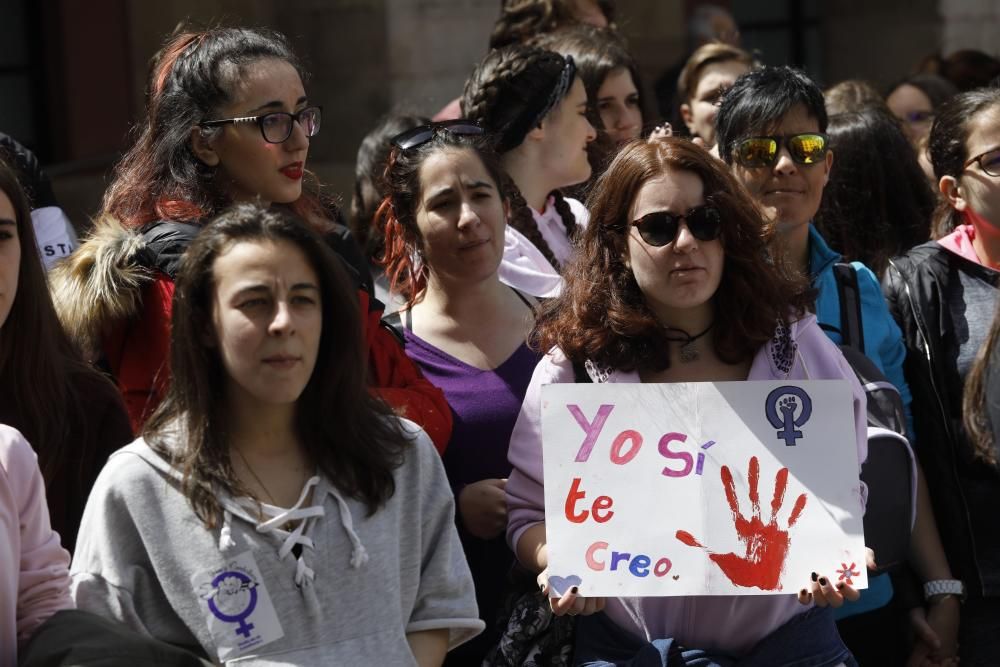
{"x":534,"y":106}
{"x":772,"y":132}
{"x":775,"y":107}
{"x":672,"y":284}
{"x":228,"y":121}
{"x":943,"y":294}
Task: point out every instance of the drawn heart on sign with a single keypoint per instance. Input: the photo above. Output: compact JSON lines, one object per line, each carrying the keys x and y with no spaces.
{"x":559,"y":585}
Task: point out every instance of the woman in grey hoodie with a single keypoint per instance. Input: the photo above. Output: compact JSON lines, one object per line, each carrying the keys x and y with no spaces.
{"x":274,"y":509}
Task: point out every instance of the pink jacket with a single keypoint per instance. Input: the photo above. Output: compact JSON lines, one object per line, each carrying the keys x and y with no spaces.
{"x":34,"y":569}
{"x":729,"y":624}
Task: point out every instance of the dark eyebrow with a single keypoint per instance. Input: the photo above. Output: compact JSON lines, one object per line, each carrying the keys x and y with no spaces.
{"x":276,"y":104}
{"x":264,"y":289}
{"x":479,"y":184}
{"x":7,"y":221}
{"x":257,"y":289}
{"x":446,"y":190}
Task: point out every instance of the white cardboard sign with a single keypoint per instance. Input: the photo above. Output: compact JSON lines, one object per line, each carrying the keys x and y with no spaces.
{"x":725,"y":488}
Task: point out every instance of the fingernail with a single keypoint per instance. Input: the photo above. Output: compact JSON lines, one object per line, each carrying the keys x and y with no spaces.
{"x":840,"y":584}
{"x":574,"y":590}
{"x":815,"y":576}
{"x":822,"y":581}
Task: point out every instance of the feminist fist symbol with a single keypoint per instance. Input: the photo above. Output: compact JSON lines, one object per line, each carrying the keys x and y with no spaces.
{"x":766,"y":544}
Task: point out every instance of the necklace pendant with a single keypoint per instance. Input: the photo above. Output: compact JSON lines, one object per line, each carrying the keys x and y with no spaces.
{"x":689,"y":352}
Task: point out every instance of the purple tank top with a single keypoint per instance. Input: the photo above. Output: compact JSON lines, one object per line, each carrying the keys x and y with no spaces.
{"x":485,"y":405}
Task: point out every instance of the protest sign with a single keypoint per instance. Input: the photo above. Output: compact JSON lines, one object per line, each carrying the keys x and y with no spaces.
{"x":725,"y":488}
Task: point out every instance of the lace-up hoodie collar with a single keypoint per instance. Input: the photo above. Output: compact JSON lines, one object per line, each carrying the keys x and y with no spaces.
{"x":270,"y":520}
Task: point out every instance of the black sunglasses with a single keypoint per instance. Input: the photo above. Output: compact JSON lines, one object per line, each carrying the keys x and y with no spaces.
{"x":422,"y":134}
{"x":660,"y":227}
{"x":806,"y":148}
{"x":276,"y":126}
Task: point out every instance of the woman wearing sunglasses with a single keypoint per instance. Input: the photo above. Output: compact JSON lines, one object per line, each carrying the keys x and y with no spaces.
{"x":771,"y":130}
{"x":535,"y":107}
{"x":228,"y":121}
{"x":672,"y":284}
{"x":444,"y":223}
{"x":943,"y":294}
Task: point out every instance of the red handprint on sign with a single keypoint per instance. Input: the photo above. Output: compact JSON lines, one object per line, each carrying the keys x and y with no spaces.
{"x":766,"y":543}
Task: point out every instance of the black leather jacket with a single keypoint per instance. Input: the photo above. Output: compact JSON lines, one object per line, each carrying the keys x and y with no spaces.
{"x":922,"y":288}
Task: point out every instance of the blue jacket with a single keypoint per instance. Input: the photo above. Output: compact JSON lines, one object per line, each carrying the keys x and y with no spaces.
{"x":883,"y":345}
{"x":883,"y":339}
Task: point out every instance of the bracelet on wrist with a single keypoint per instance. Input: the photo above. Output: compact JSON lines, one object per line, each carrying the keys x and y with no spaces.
{"x":938,"y":589}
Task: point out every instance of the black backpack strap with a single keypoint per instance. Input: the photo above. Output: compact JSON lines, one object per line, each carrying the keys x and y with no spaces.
{"x":393,"y":322}
{"x":850,"y":305}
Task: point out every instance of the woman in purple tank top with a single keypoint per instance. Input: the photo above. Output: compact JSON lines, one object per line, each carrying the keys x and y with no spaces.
{"x":467,"y":331}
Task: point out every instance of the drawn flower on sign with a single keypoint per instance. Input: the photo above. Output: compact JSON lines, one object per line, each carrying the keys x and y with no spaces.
{"x":846,"y":572}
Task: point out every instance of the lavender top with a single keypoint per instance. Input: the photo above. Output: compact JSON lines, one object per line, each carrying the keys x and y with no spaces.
{"x":732,"y":624}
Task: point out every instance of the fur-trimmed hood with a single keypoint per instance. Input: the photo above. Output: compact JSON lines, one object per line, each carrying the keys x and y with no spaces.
{"x":101,"y":283}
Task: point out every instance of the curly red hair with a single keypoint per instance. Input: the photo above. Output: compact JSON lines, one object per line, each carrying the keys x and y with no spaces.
{"x":602,"y":315}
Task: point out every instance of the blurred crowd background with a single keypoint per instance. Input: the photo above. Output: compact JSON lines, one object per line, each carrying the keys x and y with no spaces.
{"x":72,"y":71}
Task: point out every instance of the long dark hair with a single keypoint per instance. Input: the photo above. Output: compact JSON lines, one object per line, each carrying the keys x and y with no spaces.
{"x":397,"y":214}
{"x":602,"y":315}
{"x":190,"y":78}
{"x":877,"y":203}
{"x":37,"y":359}
{"x":948,"y":144}
{"x":348,"y":433}
{"x":504,"y":95}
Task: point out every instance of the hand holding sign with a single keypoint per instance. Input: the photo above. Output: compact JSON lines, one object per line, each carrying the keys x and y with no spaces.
{"x":562,"y":593}
{"x":766,"y":544}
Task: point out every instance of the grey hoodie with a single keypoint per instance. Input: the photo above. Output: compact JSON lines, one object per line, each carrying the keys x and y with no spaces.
{"x":343,"y":588}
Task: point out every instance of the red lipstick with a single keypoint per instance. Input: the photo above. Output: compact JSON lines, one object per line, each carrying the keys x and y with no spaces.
{"x":292,"y":171}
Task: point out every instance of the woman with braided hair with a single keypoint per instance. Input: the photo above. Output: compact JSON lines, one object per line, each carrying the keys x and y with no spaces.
{"x":535,"y":107}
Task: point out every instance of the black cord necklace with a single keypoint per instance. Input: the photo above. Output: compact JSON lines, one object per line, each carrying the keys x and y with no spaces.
{"x":688,"y":352}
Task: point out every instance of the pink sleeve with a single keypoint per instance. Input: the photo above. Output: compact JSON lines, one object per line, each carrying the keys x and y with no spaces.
{"x":43,"y":581}
{"x":525,"y":486}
